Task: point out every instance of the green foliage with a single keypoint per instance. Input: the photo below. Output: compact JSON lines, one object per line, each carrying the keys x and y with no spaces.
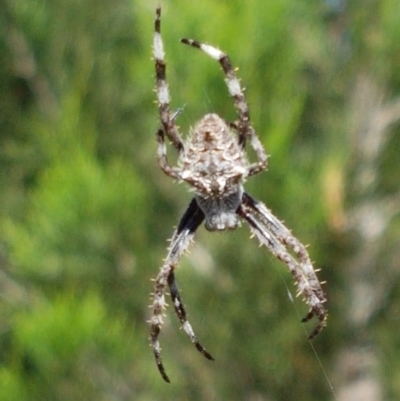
{"x":73,"y":339}
{"x":12,"y":386}
{"x":85,"y":212}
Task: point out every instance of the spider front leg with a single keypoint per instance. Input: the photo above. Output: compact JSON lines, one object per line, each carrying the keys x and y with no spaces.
{"x":167,"y":118}
{"x":180,"y":242}
{"x":244,"y":128}
{"x":173,"y":172}
{"x":275,"y":237}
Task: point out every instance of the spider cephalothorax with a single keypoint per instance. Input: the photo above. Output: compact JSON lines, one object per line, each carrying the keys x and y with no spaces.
{"x":213,"y":162}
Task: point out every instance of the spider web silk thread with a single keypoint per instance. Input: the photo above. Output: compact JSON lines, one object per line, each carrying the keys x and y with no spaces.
{"x":328,"y":381}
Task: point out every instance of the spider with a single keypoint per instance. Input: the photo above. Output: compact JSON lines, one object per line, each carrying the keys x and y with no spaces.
{"x":213,"y":162}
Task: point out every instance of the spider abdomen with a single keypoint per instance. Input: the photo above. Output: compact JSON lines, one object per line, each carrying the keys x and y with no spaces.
{"x":213,"y":161}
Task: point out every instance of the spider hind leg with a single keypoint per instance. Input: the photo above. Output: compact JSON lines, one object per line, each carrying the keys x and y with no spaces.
{"x":181,"y":313}
{"x":277,"y":238}
{"x":180,"y":242}
{"x":321,"y":315}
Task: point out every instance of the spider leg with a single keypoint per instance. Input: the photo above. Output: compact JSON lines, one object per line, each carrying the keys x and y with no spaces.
{"x":173,"y":172}
{"x":285,"y":236}
{"x":163,"y":95}
{"x":180,"y":242}
{"x":180,"y":311}
{"x":245,"y":130}
{"x":275,"y":236}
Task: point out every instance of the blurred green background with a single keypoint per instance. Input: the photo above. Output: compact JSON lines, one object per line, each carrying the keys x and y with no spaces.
{"x":85,"y":212}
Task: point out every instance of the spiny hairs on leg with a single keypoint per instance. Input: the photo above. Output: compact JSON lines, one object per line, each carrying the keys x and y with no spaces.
{"x":180,"y":242}
{"x":307,"y":283}
{"x":285,"y":236}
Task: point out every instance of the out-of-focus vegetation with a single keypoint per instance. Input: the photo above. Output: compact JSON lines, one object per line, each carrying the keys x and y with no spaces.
{"x":85,"y":212}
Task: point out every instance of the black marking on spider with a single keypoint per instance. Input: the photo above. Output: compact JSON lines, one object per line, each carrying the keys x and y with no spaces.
{"x":212,"y":160}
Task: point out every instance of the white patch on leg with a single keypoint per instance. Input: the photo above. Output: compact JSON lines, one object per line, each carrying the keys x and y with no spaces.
{"x":234,"y":87}
{"x":158,"y":47}
{"x":188,"y":330}
{"x":162,"y":150}
{"x":212,"y":51}
{"x":163,"y":93}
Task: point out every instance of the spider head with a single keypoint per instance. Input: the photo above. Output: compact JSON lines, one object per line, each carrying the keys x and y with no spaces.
{"x":220,"y":213}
